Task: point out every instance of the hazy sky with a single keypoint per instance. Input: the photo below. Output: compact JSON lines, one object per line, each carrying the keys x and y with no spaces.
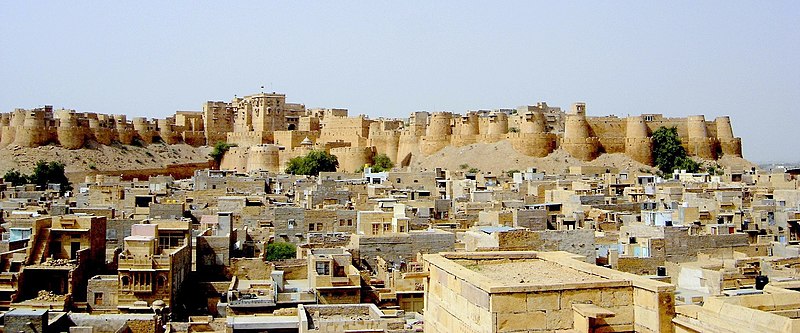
{"x":390,"y":58}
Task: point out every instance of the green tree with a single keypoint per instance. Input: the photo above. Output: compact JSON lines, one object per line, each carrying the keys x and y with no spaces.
{"x":15,"y":178}
{"x":511,"y":173}
{"x":280,"y":251}
{"x":381,"y":163}
{"x":220,"y":148}
{"x":669,"y":154}
{"x":50,"y":173}
{"x":312,"y":164}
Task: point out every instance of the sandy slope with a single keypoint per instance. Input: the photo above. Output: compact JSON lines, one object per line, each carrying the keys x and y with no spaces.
{"x":500,"y":156}
{"x":102,"y":158}
{"x":495,"y":157}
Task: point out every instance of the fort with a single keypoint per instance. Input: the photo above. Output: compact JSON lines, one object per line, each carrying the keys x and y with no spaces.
{"x":267,"y":132}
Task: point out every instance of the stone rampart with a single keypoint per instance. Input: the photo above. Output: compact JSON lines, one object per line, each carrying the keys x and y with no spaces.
{"x":532,"y":131}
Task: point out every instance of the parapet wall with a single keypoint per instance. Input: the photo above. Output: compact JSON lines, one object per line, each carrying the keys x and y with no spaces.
{"x":532,"y":131}
{"x":352,"y":158}
{"x":584,"y":137}
{"x":74,"y":130}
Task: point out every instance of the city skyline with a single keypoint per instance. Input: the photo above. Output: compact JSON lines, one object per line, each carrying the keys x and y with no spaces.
{"x":676,"y":59}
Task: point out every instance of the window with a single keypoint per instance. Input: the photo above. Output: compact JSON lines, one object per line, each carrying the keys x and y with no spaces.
{"x":319,"y":227}
{"x":98,"y":298}
{"x":126,"y":282}
{"x":291,"y":223}
{"x":169,"y":240}
{"x":386,"y":227}
{"x":323,"y":268}
{"x":375,"y":229}
{"x":341,"y":223}
{"x":311,"y":227}
{"x":349,"y":222}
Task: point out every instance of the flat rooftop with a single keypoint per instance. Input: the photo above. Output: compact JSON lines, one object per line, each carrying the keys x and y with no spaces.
{"x":529,"y":272}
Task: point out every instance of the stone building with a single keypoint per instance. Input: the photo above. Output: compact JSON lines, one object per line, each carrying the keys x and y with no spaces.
{"x":67,"y":250}
{"x":539,"y":291}
{"x":153,"y":265}
{"x":332,"y":276}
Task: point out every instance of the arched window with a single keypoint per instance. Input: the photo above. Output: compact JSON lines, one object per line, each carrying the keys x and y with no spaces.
{"x":161,"y":281}
{"x":126,"y":281}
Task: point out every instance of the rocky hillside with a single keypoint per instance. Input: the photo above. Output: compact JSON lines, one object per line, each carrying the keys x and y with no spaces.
{"x":102,"y":158}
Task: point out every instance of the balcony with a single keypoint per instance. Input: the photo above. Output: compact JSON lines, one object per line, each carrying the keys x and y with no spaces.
{"x":154,"y":262}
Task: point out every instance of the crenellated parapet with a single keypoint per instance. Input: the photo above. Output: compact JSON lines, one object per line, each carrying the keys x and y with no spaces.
{"x":70,"y":134}
{"x":466,"y":129}
{"x":265,"y":119}
{"x":533,"y":138}
{"x":73,"y":130}
{"x":37,"y":128}
{"x":493,"y":127}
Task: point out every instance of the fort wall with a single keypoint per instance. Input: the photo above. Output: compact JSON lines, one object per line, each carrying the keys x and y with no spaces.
{"x":262,"y":119}
{"x":578,"y":140}
{"x":638,"y":144}
{"x":264,"y":158}
{"x":438,"y":133}
{"x":353,"y":158}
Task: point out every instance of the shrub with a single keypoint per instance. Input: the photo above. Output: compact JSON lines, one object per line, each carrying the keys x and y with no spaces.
{"x":15,"y":178}
{"x":220,"y":148}
{"x":280,"y":251}
{"x":50,"y":173}
{"x":312,"y":164}
{"x":381,"y":163}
